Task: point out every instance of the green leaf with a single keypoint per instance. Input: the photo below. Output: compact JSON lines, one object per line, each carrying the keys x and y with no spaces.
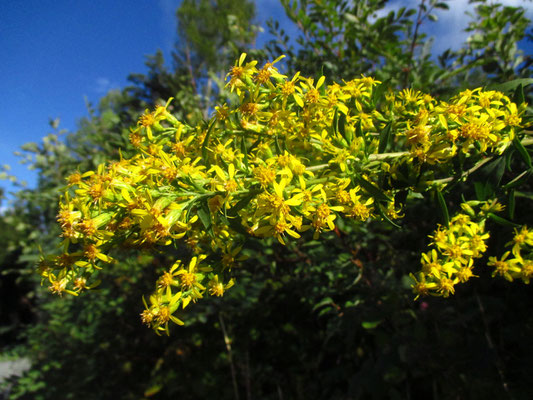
{"x":374,"y":191}
{"x":384,"y":138}
{"x":205,"y":216}
{"x":443,"y":208}
{"x":327,"y":301}
{"x":493,"y":172}
{"x":523,"y":177}
{"x":483,"y":190}
{"x":152,"y":391}
{"x":371,"y":324}
{"x":244,"y":151}
{"x":511,"y":86}
{"x":206,"y":140}
{"x":386,"y":218}
{"x":278,"y":148}
{"x":522,"y":151}
{"x":242,"y":203}
{"x":358,"y":129}
{"x":350,"y":18}
{"x":518,"y":96}
{"x":379,"y":91}
{"x":342,"y":127}
{"x":335,"y":121}
{"x":511,"y":204}
{"x":502,"y":221}
{"x":236,"y":225}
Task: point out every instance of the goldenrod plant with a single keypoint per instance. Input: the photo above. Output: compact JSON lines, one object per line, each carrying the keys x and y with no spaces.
{"x":289,"y":158}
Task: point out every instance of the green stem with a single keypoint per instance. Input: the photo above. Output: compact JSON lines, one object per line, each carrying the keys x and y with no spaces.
{"x":465,"y":173}
{"x":371,"y":157}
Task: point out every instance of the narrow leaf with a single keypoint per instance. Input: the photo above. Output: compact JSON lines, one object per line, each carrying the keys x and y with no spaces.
{"x":335,"y":121}
{"x":278,"y":148}
{"x":374,"y":191}
{"x":502,"y":221}
{"x":384,"y":138}
{"x":242,"y":203}
{"x":206,"y":140}
{"x":379,"y":91}
{"x":386,"y":218}
{"x":519,"y":97}
{"x":523,"y":177}
{"x":511,"y":204}
{"x":511,"y":85}
{"x":358,"y":129}
{"x":244,"y":151}
{"x":522,"y":151}
{"x":342,"y":127}
{"x":205,"y":216}
{"x":443,"y":208}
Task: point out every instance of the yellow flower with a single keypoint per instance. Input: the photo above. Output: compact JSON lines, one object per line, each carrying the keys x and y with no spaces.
{"x":240,"y":72}
{"x":279,"y":226}
{"x":217,"y":288}
{"x":446,"y":286}
{"x":502,"y":267}
{"x":420,"y":286}
{"x":431,"y":265}
{"x":521,"y":238}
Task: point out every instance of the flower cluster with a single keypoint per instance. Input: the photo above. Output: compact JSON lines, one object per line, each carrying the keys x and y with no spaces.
{"x":288,"y":155}
{"x":435,"y":131}
{"x":455,"y":247}
{"x":520,"y":265}
{"x":451,"y":261}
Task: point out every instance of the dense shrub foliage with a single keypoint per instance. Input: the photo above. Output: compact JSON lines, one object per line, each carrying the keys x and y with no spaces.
{"x":289,"y":157}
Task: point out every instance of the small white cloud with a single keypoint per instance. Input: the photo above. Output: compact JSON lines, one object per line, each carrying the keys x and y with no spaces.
{"x":103,"y":85}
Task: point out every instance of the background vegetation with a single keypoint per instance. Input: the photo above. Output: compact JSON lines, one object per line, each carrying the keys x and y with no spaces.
{"x":333,"y":319}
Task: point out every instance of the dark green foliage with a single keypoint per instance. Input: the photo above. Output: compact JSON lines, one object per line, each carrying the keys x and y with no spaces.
{"x":209,"y":28}
{"x":348,"y":38}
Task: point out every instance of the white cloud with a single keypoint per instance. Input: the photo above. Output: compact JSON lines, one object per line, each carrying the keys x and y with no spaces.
{"x":449,"y":30}
{"x":103,"y":85}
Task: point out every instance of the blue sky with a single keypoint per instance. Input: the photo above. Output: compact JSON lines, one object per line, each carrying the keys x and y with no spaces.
{"x":56,"y":54}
